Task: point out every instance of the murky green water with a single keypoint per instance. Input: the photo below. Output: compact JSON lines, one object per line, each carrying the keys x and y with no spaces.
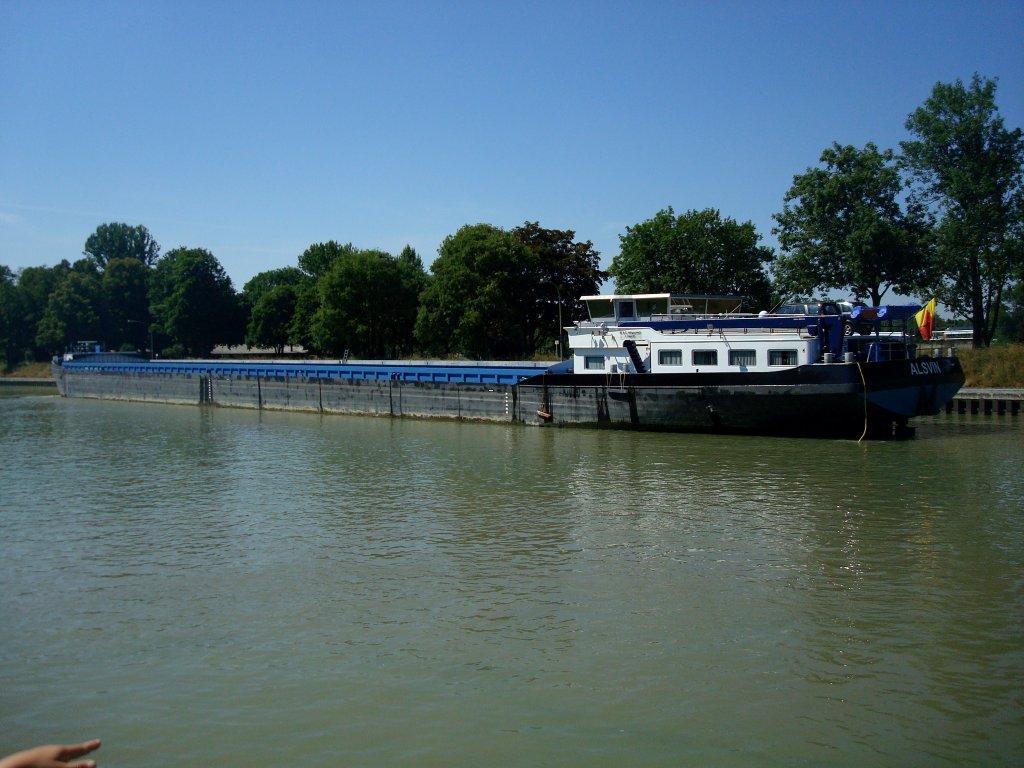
{"x":217,"y":587}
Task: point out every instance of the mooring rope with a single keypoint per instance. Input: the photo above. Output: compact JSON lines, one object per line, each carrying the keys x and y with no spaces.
{"x":865,"y":384}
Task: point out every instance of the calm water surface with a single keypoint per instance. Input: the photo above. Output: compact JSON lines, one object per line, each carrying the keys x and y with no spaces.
{"x":225,"y":587}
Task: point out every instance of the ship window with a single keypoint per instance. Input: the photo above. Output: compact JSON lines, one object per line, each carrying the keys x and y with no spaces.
{"x":782,"y":357}
{"x":705,"y":357}
{"x":593,"y":362}
{"x":670,"y":356}
{"x":627,"y":309}
{"x":742,"y":357}
{"x":601,"y":308}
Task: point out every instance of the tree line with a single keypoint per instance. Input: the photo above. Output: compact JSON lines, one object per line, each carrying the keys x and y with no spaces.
{"x":944,"y":217}
{"x":490,"y":293}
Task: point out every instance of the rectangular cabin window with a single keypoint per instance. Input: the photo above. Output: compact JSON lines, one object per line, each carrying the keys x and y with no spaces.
{"x":627,"y":310}
{"x":601,"y":309}
{"x":593,"y":362}
{"x":705,"y":357}
{"x":670,"y":357}
{"x":782,"y":357}
{"x":742,"y":357}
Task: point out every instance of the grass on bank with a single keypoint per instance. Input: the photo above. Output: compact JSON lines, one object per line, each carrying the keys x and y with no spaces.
{"x":999,"y":366}
{"x":27,"y":371}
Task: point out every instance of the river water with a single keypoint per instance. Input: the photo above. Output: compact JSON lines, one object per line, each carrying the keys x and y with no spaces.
{"x":202,"y":586}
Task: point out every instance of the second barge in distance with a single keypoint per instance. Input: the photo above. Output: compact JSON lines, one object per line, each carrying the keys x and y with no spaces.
{"x":649,"y":361}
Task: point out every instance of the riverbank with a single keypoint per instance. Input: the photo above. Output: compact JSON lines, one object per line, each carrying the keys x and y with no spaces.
{"x":27,"y":371}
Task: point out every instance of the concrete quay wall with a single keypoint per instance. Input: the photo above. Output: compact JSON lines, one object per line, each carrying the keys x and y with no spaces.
{"x":998,"y":401}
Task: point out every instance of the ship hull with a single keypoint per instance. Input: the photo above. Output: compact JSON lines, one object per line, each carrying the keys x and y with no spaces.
{"x":843,"y":400}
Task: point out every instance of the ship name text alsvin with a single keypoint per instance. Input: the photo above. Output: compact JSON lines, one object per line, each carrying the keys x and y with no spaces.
{"x":925,"y":368}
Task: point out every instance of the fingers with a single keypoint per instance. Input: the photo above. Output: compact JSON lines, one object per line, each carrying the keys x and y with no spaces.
{"x":77,"y":750}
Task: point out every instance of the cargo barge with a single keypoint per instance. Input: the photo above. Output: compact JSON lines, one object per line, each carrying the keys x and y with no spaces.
{"x":650,"y":361}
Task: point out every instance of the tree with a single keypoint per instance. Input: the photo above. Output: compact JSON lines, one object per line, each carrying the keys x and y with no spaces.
{"x":1011,"y":318}
{"x":265,"y":327}
{"x":314,"y":263}
{"x":411,"y":260}
{"x":566,"y":270}
{"x":121,"y":241}
{"x":479,"y":300}
{"x":193,"y":302}
{"x":966,"y":170}
{"x":34,"y":286}
{"x":125,"y":313}
{"x":8,"y":316}
{"x":842,"y":226}
{"x":367,"y":303}
{"x":319,"y":257}
{"x":265,"y":282}
{"x":697,"y":252}
{"x":72,"y":312}
{"x":271,"y":317}
{"x":307,"y":301}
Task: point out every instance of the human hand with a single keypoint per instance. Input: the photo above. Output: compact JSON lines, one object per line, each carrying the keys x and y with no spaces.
{"x":52,"y":756}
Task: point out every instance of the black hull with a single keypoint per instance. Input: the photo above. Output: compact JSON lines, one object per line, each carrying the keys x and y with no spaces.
{"x":842,"y":400}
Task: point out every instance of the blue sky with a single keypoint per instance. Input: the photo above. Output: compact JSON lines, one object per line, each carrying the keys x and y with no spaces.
{"x":254,"y":129}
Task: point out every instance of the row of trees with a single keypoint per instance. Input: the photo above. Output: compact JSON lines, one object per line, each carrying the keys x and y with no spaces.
{"x":121,"y":293}
{"x":492,"y":293}
{"x":944,"y":217}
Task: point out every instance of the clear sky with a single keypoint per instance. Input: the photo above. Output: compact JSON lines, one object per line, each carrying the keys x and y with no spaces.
{"x":254,"y":129}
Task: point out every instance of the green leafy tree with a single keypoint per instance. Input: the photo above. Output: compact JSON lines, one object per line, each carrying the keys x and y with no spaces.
{"x":566,"y":270}
{"x":8,"y":316}
{"x":193,"y":301}
{"x":314,"y":263}
{"x":307,"y":301}
{"x":34,"y":286}
{"x":414,"y":280}
{"x":843,"y":226}
{"x":413,"y":274}
{"x":72,"y":312}
{"x":697,"y":252}
{"x":367,"y":304}
{"x":121,"y":241}
{"x":125,"y":314}
{"x":1011,"y":319}
{"x":264,"y":282}
{"x":966,"y":169}
{"x":411,"y":259}
{"x":316,"y":260}
{"x":270,"y":319}
{"x":479,"y":300}
{"x":264,"y":327}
